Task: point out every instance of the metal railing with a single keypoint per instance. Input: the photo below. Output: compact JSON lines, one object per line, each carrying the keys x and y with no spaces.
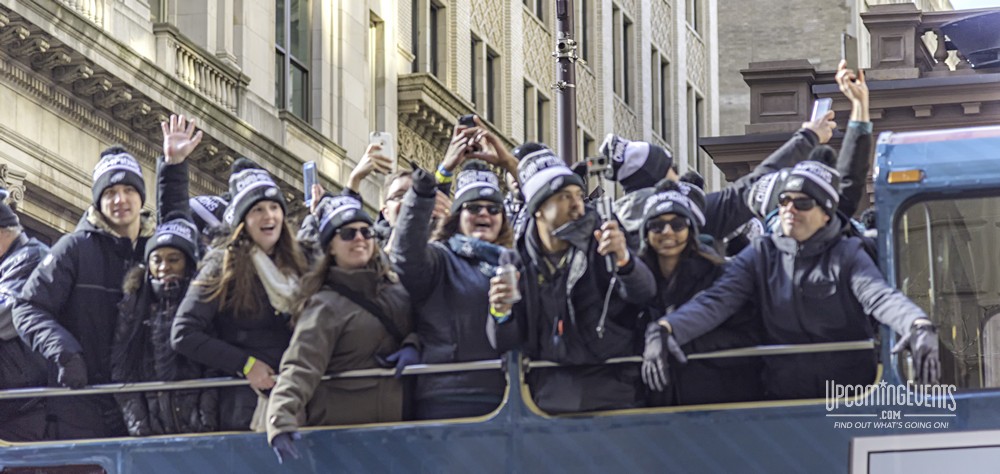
{"x":424,"y":369}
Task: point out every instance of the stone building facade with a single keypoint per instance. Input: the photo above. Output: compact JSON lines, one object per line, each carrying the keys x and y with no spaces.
{"x":755,"y":31}
{"x":291,"y":81}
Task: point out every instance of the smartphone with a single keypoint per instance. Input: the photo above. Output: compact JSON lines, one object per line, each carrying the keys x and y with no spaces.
{"x":468,"y":120}
{"x":820,"y":108}
{"x":849,"y":51}
{"x":384,"y":140}
{"x":309,"y":178}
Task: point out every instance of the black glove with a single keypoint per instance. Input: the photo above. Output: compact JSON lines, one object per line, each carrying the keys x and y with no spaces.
{"x":284,"y":446}
{"x":72,"y":371}
{"x":922,"y":343}
{"x":424,"y":183}
{"x":654,"y":358}
{"x":407,"y":355}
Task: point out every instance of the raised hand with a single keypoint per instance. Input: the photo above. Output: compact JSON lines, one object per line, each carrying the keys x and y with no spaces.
{"x":179,"y":139}
{"x":823,"y":127}
{"x":855,"y":88}
{"x":373,"y":160}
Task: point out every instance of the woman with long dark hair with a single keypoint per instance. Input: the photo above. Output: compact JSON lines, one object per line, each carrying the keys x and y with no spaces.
{"x":235,"y":315}
{"x":352,"y":314}
{"x":683,"y":266}
{"x":449,"y":281}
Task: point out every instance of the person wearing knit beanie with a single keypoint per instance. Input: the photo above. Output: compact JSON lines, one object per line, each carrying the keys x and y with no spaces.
{"x":476,"y":182}
{"x":636,"y":165}
{"x":178,"y":233}
{"x":669,"y":199}
{"x":117,"y":166}
{"x":248,"y":185}
{"x":334,"y":212}
{"x":543,"y":174}
{"x":808,"y":200}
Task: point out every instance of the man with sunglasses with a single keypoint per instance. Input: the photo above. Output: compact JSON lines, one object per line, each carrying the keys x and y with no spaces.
{"x":812,"y":284}
{"x":574,"y":311}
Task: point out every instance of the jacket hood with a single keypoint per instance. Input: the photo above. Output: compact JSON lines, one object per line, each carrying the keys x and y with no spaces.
{"x":93,"y":221}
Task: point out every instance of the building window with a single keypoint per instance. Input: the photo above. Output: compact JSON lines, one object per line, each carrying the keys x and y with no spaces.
{"x":587,"y":145}
{"x":660,"y":70}
{"x":622,"y":32}
{"x":428,"y":36}
{"x":539,"y":8}
{"x":537,"y":115}
{"x":543,"y":111}
{"x":486,"y":80}
{"x":694,"y":14}
{"x":585,"y":15}
{"x":696,"y":126}
{"x":376,"y":74}
{"x":292,"y":57}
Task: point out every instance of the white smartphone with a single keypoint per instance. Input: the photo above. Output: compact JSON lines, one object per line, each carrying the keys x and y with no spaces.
{"x":820,"y":108}
{"x":385,"y":141}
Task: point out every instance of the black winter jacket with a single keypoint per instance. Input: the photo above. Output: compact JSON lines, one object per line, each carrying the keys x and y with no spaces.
{"x":69,"y":306}
{"x":223,"y":340}
{"x":575,"y":296}
{"x":21,"y":367}
{"x":450,"y":296}
{"x":714,"y":380}
{"x":141,"y":352}
{"x":822,"y":290}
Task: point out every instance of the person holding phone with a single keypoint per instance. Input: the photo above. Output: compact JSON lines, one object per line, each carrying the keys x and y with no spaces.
{"x":235,"y":314}
{"x":449,"y":279}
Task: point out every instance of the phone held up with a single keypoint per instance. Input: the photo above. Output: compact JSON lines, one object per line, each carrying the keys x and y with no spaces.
{"x":385,"y":142}
{"x":820,"y":108}
{"x":309,"y":178}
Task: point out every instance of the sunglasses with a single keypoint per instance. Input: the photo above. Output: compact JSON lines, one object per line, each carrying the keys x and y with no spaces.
{"x":349,"y":233}
{"x":474,"y":208}
{"x":677,"y":225}
{"x":801,"y":204}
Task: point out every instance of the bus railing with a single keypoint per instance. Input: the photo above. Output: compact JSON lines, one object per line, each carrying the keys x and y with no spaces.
{"x":423,"y":369}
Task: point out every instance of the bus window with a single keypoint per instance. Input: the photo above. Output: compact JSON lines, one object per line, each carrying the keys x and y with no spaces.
{"x":949,"y":265}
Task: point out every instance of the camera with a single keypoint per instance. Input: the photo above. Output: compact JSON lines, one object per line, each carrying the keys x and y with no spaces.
{"x":600,"y":167}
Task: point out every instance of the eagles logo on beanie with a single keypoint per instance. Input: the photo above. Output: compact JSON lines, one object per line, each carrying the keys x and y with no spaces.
{"x":248,"y":185}
{"x":636,"y":165}
{"x":476,"y":182}
{"x":762,"y":197}
{"x":817,"y":181}
{"x":117,"y":166}
{"x":669,"y":199}
{"x":334,"y":212}
{"x":178,"y":233}
{"x":208,"y":211}
{"x":543,"y":174}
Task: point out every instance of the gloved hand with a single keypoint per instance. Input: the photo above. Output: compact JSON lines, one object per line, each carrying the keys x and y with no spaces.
{"x":922,"y":342}
{"x":72,"y":371}
{"x":654,"y":358}
{"x":407,"y":355}
{"x":424,"y":183}
{"x":284,"y":446}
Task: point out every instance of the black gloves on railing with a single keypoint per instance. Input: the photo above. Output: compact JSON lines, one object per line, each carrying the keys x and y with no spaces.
{"x":654,"y":357}
{"x":922,"y":343}
{"x":283,"y":445}
{"x":72,"y":371}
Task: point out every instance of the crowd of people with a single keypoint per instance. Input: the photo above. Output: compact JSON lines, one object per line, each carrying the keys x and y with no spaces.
{"x":223,"y":286}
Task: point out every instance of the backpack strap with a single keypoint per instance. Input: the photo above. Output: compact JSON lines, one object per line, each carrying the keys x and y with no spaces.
{"x":371,"y":308}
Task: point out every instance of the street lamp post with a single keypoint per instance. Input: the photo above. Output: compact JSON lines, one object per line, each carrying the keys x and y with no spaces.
{"x":565,"y":85}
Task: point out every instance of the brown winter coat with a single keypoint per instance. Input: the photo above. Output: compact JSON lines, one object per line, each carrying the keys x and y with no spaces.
{"x":333,"y":334}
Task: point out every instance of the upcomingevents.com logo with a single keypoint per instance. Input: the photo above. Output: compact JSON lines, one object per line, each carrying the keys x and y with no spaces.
{"x":907,"y":406}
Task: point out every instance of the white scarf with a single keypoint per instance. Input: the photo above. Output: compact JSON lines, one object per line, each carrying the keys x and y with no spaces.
{"x":280,"y":287}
